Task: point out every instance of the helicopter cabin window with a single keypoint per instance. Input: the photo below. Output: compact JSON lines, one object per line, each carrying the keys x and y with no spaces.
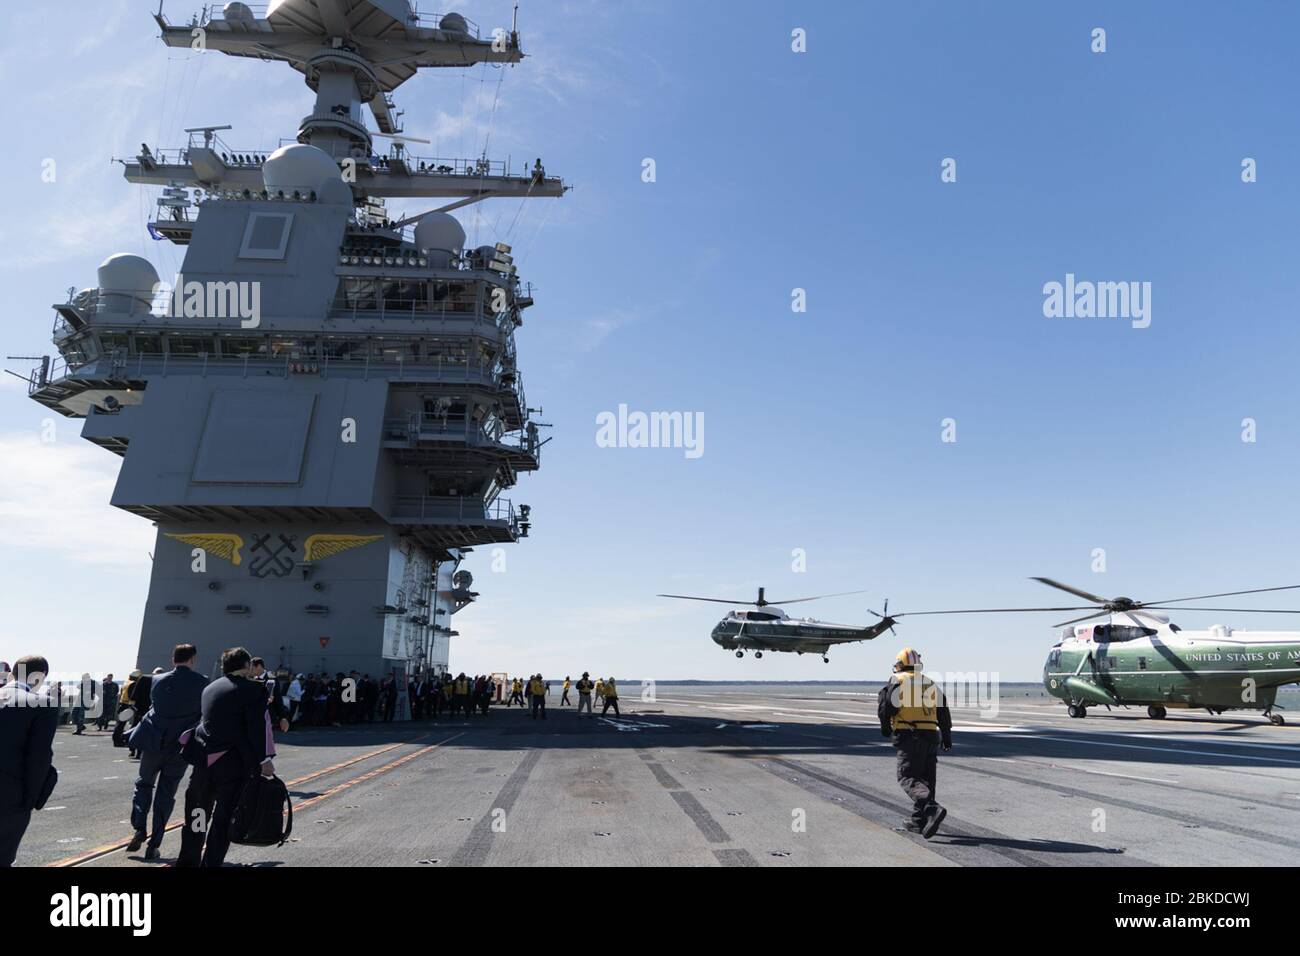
{"x":1117,"y":633}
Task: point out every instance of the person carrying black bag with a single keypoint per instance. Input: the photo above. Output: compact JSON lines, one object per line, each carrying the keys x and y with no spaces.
{"x":264,"y":814}
{"x":232,"y":743}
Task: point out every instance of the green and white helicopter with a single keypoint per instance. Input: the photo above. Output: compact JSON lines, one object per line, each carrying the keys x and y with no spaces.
{"x":769,"y":628}
{"x":1140,"y":658}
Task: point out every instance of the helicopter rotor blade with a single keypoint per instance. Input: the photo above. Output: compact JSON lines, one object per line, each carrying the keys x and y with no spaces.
{"x":1069,"y":590}
{"x":1206,"y":597}
{"x":761,"y":602}
{"x":818,"y":597}
{"x":1227,"y":610}
{"x":1086,"y":617}
{"x":691,"y":597}
{"x":994,"y":610}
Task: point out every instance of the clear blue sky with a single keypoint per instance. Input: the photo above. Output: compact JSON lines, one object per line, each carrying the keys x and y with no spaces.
{"x":775,"y":170}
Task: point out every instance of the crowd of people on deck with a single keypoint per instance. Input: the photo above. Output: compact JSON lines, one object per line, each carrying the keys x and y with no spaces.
{"x":174,"y":720}
{"x":537,"y":689}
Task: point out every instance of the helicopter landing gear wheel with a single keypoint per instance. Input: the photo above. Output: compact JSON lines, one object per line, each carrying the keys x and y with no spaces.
{"x":826,"y":660}
{"x":740,"y":653}
{"x":758,"y":654}
{"x":1156,"y":712}
{"x":1077,"y":710}
{"x":1277,"y":720}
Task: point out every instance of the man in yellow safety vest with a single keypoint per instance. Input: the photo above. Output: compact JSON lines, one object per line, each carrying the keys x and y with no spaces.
{"x":611,"y":697}
{"x":537,"y":695}
{"x":913,"y":711}
{"x":460,"y":694}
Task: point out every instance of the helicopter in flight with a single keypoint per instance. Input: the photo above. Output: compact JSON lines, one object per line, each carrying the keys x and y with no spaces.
{"x":769,"y":628}
{"x":1136,"y":657}
{"x":1140,"y":658}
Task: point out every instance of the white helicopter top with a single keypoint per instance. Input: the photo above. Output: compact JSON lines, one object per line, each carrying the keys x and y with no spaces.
{"x":1138,"y":626}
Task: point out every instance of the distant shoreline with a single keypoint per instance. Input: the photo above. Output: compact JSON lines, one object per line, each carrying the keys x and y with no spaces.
{"x":789,"y":683}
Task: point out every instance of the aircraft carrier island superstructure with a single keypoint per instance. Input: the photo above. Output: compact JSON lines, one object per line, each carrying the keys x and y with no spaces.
{"x":320,"y":414}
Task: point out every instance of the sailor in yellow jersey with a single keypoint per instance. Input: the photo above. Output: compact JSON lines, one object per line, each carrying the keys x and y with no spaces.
{"x":913,"y":711}
{"x":564,"y":695}
{"x":600,"y":689}
{"x":460,"y":694}
{"x":537,"y":695}
{"x":611,"y":697}
{"x":517,"y":693}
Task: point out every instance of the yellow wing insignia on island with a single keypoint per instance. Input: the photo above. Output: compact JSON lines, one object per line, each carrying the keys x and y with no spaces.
{"x":222,"y":544}
{"x":318,"y":547}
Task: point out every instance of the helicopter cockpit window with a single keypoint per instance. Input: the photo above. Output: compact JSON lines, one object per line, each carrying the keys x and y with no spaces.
{"x":1054,"y":658}
{"x":760,"y":616}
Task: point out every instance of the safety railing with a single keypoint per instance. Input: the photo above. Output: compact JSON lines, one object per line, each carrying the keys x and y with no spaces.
{"x":382,"y":307}
{"x":144,"y":365}
{"x":216,"y":11}
{"x":437,"y":508}
{"x":431,"y":428}
{"x":433,"y":21}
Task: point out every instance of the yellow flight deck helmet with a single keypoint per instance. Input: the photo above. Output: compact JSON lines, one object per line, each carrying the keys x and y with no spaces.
{"x":907,"y":658}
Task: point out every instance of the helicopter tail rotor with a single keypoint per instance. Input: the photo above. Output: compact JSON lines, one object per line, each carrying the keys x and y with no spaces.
{"x":884,"y":616}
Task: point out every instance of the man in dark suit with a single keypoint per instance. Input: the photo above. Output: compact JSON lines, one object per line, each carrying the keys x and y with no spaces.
{"x":108,"y":703}
{"x":232,"y":743}
{"x":415,"y":692}
{"x":176,"y":707}
{"x":28,"y":721}
{"x":279,"y":712}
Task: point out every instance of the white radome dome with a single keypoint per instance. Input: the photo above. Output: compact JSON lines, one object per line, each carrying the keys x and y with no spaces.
{"x":453,"y":23}
{"x":298,"y":166}
{"x":440,"y":232}
{"x":128,"y":275}
{"x":335,"y":191}
{"x":238,"y":12}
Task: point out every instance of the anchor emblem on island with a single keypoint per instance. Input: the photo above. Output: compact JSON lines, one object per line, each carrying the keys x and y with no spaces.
{"x":271,"y":558}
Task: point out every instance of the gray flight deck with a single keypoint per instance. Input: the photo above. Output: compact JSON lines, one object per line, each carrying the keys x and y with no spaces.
{"x":719,"y":775}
